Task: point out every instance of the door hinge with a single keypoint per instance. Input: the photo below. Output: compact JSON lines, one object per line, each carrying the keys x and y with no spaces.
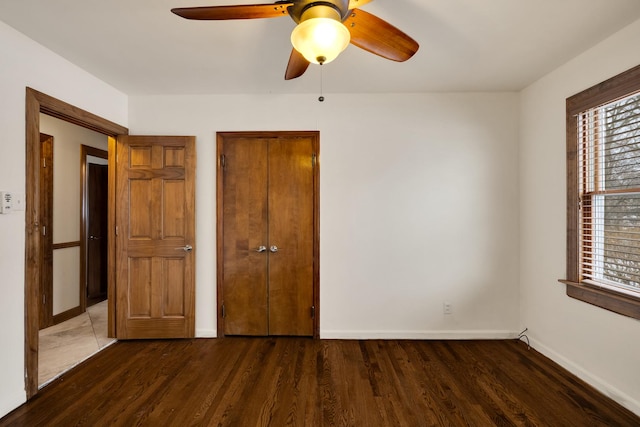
{"x":44,"y":162}
{"x":223,"y":162}
{"x":224,"y":312}
{"x":44,"y":230}
{"x":313,"y":160}
{"x":313,"y":311}
{"x":116,"y":230}
{"x":44,"y":299}
{"x":579,"y":203}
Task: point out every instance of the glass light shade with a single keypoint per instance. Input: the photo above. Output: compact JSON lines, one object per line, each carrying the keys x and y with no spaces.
{"x":320,"y":40}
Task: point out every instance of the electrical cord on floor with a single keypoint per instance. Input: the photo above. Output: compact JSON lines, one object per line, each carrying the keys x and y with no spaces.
{"x":522,"y":335}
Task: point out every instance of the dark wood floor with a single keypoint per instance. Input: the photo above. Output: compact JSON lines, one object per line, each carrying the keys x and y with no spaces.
{"x":302,"y":382}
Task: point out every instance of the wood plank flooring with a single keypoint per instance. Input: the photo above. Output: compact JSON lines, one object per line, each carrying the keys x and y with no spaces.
{"x":304,"y":382}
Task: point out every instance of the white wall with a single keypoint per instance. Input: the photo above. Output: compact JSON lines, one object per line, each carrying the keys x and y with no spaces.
{"x":25,"y":63}
{"x":601,"y":347}
{"x":67,"y":141}
{"x":419,"y":205}
{"x":421,"y":202}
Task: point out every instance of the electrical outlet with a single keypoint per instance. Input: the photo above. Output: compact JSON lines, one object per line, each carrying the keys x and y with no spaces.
{"x":447,"y":308}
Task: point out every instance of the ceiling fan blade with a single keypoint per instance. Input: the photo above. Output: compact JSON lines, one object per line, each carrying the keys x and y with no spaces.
{"x":358,"y":3}
{"x":249,"y":11}
{"x":377,"y":36}
{"x":297,"y":65}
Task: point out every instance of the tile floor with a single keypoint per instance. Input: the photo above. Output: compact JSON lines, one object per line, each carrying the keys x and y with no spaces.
{"x":66,"y":344}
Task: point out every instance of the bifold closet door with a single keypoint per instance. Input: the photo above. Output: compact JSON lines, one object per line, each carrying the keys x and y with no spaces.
{"x":268,"y":236}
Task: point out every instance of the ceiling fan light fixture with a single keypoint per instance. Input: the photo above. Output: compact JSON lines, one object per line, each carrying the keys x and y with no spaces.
{"x":320,"y":36}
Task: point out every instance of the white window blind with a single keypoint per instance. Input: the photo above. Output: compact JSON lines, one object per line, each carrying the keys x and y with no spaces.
{"x":609,"y":192}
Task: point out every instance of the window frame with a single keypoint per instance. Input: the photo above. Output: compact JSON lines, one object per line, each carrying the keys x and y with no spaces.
{"x":615,"y":88}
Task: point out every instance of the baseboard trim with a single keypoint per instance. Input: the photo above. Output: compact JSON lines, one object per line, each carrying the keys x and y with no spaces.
{"x":66,"y":315}
{"x":419,"y":335}
{"x":399,"y":335}
{"x":598,"y":383}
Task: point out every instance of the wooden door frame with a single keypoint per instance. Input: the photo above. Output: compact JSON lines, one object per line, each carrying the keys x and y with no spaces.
{"x":315,"y":137}
{"x":36,"y":103}
{"x":85,"y":151}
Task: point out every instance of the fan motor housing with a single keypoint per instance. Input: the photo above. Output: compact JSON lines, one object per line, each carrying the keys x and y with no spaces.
{"x":299,"y":7}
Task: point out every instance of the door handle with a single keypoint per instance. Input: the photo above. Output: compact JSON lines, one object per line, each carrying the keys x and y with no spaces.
{"x":187,"y":248}
{"x":261,"y":249}
{"x":94,"y":238}
{"x":273,"y":249}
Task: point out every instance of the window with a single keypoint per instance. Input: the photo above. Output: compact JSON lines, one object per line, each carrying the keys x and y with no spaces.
{"x":603,"y":197}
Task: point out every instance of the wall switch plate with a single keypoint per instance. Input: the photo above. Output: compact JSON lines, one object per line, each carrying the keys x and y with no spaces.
{"x":6,"y":205}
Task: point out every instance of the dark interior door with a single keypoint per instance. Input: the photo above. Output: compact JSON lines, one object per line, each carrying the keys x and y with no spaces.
{"x":45,"y":311}
{"x":97,"y":198}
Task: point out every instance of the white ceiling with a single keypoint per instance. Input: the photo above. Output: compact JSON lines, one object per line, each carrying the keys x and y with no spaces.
{"x":139,"y":47}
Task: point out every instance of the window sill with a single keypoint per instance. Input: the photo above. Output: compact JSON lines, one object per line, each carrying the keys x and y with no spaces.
{"x":626,"y":305}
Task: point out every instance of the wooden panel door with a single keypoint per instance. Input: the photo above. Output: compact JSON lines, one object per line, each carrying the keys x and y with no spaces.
{"x":268,"y":222}
{"x":155,"y":220}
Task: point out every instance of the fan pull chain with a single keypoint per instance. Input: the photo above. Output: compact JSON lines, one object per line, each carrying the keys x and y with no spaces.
{"x":321,"y":97}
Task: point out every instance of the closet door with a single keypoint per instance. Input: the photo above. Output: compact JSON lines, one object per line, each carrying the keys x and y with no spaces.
{"x":267,"y":222}
{"x":244,"y":220}
{"x":291,"y":236}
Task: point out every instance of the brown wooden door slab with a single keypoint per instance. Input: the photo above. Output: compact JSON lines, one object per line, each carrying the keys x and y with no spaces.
{"x":155,"y":220}
{"x":45,"y":302}
{"x":245,"y":232}
{"x":268,"y":233}
{"x":291,"y":201}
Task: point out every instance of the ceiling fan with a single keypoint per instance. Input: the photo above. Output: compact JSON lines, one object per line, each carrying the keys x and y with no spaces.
{"x":325,"y":28}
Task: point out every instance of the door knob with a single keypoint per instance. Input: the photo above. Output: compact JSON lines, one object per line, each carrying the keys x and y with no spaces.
{"x":261,"y":249}
{"x":273,"y":249}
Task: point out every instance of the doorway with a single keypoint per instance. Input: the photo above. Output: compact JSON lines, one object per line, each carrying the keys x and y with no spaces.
{"x":73,"y":197}
{"x":268,"y":233}
{"x":37,"y":103}
{"x":170,"y":162}
{"x":94,"y":237}
{"x":74,"y":287}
